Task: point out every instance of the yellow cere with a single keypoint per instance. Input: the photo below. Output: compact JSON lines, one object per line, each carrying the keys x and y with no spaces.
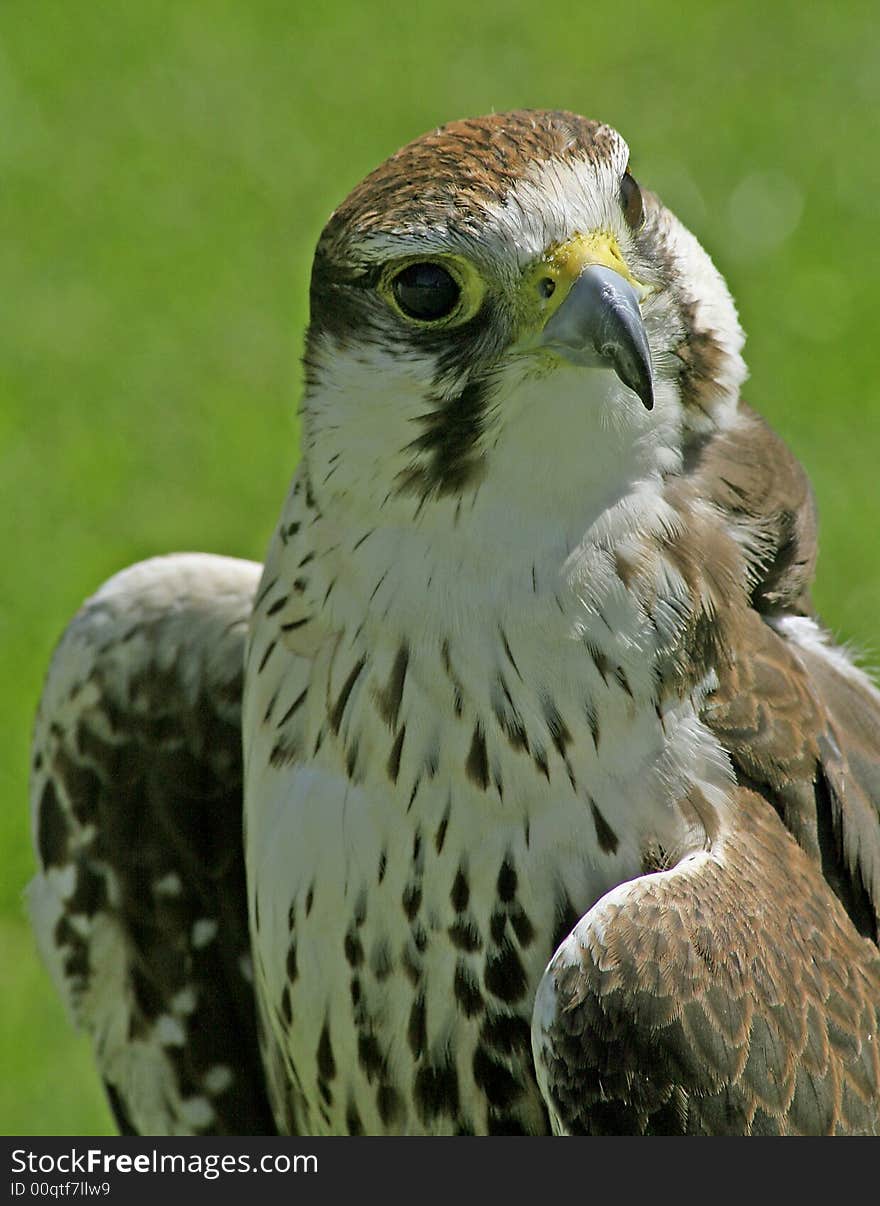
{"x":564,"y":262}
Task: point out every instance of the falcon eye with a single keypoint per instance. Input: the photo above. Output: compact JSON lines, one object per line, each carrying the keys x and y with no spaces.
{"x":426,"y":291}
{"x":631,"y":202}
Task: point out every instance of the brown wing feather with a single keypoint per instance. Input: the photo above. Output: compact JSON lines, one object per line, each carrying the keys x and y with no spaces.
{"x":802,"y":728}
{"x":764,"y":496}
{"x":730,"y":995}
{"x":139,"y":904}
{"x":737,"y":993}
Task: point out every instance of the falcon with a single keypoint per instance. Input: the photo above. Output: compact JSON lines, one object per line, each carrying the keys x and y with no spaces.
{"x":521,"y":790}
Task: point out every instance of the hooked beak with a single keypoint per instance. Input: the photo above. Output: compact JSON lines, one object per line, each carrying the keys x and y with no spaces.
{"x":600,"y":323}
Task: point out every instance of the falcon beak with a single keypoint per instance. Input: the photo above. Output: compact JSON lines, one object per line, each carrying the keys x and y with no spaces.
{"x":598,"y":321}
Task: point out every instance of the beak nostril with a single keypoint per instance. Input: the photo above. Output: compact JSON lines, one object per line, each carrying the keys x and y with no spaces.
{"x":599,"y":323}
{"x":546,"y":286}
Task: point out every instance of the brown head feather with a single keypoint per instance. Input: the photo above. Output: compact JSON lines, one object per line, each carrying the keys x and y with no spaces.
{"x":451,"y":174}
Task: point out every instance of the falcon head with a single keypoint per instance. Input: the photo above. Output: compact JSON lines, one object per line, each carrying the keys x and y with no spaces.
{"x":500,"y":310}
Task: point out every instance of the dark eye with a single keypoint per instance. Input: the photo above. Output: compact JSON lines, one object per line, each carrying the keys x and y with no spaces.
{"x":426,"y":291}
{"x":631,"y":202}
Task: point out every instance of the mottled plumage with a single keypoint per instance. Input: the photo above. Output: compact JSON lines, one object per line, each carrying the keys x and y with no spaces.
{"x":560,"y":807}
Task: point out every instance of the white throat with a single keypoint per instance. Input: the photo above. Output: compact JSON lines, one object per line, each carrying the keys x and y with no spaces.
{"x":567,"y":455}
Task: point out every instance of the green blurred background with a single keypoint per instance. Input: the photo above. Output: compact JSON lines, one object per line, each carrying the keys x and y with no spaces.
{"x":165,"y":168}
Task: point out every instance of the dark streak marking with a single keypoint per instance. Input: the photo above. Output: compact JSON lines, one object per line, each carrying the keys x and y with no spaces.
{"x":510,"y":656}
{"x":497,"y":1082}
{"x":607,"y":838}
{"x":466,"y":990}
{"x":351,"y":759}
{"x":353,"y":1120}
{"x":497,"y":925}
{"x":465,"y":936}
{"x":510,"y":721}
{"x":477,"y":763}
{"x":390,"y":1105}
{"x":507,"y":881}
{"x":310,"y":897}
{"x":378,"y":584}
{"x":354,"y":951}
{"x":297,"y":703}
{"x":278,"y":604}
{"x":440,"y":835}
{"x":51,"y":829}
{"x":365,"y":536}
{"x":342,"y":700}
{"x":593,"y":722}
{"x":522,"y":927}
{"x":389,"y":698}
{"x":411,"y":900}
{"x":620,"y":675}
{"x":292,"y":968}
{"x":560,"y":734}
{"x":370,"y":1056}
{"x":540,"y":759}
{"x":447,"y":662}
{"x":90,"y":896}
{"x":436,"y":1091}
{"x":447,"y":453}
{"x":457,"y":692}
{"x":264,"y":593}
{"x":600,"y":661}
{"x":416,"y":1031}
{"x":509,"y":1034}
{"x":326,"y":1062}
{"x":414,"y":793}
{"x":461,"y":892}
{"x":393,"y":764}
{"x":294,"y":624}
{"x":268,"y":653}
{"x":284,"y":752}
{"x":505,"y":975}
{"x":286,"y":1010}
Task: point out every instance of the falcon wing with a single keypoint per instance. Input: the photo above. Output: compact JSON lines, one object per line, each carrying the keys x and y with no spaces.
{"x":729,"y":995}
{"x":800,"y":721}
{"x":802,"y":727}
{"x":139,"y":904}
{"x":739,"y":991}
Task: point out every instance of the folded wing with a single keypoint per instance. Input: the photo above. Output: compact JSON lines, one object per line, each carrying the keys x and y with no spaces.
{"x":139,"y":903}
